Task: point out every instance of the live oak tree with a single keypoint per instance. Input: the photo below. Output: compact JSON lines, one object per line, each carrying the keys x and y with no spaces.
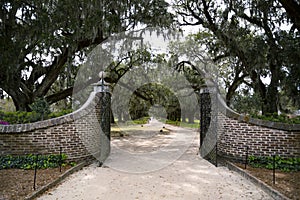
{"x":260,"y":37}
{"x":158,"y":81}
{"x":139,"y":95}
{"x":156,"y":94}
{"x":42,"y":42}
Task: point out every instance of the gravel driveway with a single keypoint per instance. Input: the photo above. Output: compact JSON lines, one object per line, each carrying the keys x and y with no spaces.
{"x":149,"y":164}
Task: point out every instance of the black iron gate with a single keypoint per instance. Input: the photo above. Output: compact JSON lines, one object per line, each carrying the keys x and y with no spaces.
{"x":208,"y":124}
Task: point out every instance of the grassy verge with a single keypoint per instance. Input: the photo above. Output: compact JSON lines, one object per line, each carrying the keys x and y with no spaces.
{"x":196,"y":124}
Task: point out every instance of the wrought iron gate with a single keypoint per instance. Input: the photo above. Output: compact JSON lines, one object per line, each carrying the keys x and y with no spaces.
{"x":208,"y":124}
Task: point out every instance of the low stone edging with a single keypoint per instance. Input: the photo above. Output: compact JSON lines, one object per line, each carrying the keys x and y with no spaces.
{"x":269,"y":190}
{"x":52,"y":184}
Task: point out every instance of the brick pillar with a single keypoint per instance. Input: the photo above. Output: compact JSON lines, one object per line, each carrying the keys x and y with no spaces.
{"x":103,"y":112}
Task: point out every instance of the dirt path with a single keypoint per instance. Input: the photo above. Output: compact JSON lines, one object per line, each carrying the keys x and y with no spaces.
{"x":150,"y":164}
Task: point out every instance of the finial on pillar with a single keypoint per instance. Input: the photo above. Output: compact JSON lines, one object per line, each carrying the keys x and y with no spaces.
{"x":101,"y":85}
{"x":102,"y":75}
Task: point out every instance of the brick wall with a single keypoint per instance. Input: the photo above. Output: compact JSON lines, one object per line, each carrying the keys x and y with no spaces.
{"x":77,"y":133}
{"x":264,"y":138}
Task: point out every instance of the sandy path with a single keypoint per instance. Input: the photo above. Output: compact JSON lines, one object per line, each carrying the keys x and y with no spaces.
{"x":186,"y":177}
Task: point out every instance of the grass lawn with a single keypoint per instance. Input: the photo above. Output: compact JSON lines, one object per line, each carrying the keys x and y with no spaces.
{"x":196,"y":124}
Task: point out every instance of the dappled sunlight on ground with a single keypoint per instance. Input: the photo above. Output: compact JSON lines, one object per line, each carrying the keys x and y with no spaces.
{"x":186,"y":177}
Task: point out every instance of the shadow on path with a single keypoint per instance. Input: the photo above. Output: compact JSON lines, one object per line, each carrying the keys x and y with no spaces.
{"x":135,"y":171}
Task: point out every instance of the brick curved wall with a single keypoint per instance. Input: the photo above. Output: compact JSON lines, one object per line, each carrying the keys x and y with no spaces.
{"x":264,"y":138}
{"x":77,"y":133}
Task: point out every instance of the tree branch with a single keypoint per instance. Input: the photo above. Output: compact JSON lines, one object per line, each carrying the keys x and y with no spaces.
{"x":292,"y":8}
{"x":69,"y":91}
{"x":238,"y":80}
{"x":133,"y":91}
{"x":59,"y":62}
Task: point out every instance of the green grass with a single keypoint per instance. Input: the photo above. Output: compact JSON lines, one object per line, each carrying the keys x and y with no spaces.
{"x":143,"y":120}
{"x":196,"y":124}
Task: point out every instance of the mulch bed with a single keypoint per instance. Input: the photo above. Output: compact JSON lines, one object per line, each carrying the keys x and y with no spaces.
{"x":18,"y":183}
{"x":287,"y":183}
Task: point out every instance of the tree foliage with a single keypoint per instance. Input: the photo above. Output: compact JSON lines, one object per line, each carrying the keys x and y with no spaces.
{"x":143,"y":79}
{"x":156,"y":94}
{"x":259,"y":38}
{"x":42,"y":41}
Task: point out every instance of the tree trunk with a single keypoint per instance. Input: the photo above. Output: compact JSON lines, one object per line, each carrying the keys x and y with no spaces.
{"x":271,"y":99}
{"x":120,"y":116}
{"x":183,"y":117}
{"x":21,"y":105}
{"x":268,"y":94}
{"x":233,"y":87}
{"x":126,"y":116}
{"x":21,"y":100}
{"x":191,"y":118}
{"x":270,"y":103}
{"x":112,"y":119}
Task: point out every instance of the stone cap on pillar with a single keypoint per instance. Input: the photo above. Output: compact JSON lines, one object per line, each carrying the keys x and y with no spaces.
{"x":209,"y":86}
{"x":101,"y":85}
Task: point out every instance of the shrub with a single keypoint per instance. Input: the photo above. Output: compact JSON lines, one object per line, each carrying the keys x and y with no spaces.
{"x":278,"y":118}
{"x":41,"y":107}
{"x":284,"y":164}
{"x":61,"y":113}
{"x":21,"y":117}
{"x":28,"y":161}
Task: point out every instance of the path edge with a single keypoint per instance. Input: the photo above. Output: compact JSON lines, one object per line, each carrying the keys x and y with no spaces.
{"x":58,"y":180}
{"x":275,"y":194}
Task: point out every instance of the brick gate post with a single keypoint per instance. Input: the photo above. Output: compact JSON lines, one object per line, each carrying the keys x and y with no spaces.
{"x":103,"y":112}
